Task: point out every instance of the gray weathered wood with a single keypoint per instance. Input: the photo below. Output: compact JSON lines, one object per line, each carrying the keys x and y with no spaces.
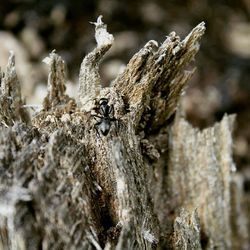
{"x":154,"y":182}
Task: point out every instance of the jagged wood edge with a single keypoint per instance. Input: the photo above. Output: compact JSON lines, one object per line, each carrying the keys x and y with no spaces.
{"x":107,"y":157}
{"x":156,"y":76}
{"x":89,"y":78}
{"x":11,"y":103}
{"x":204,"y":184}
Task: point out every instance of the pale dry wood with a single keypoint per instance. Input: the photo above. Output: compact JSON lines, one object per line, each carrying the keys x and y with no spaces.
{"x":11,"y":103}
{"x":156,"y":76}
{"x":151,"y":183}
{"x":56,"y":82}
{"x":200,"y":172}
{"x":89,"y":78}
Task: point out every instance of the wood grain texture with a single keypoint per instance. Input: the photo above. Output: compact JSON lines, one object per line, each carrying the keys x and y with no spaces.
{"x":154,"y":182}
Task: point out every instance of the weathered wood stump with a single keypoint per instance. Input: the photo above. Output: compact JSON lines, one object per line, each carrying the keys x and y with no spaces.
{"x":153,"y":182}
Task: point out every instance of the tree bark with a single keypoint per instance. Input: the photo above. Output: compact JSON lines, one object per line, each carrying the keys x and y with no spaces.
{"x":154,"y":182}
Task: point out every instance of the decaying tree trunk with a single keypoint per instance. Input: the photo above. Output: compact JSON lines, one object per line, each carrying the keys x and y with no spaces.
{"x":154,"y":182}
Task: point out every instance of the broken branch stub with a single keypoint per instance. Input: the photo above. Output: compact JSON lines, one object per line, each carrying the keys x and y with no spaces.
{"x":66,"y":186}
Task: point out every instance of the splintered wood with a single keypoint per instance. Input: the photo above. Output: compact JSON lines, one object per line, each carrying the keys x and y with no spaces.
{"x":153,"y":182}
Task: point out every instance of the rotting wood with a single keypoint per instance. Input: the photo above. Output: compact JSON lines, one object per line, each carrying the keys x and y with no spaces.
{"x":154,"y":182}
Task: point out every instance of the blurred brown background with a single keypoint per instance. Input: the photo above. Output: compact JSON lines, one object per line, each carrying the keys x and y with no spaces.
{"x":221,"y":84}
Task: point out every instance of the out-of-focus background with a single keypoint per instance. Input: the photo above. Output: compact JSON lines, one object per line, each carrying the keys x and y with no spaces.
{"x":220,"y":85}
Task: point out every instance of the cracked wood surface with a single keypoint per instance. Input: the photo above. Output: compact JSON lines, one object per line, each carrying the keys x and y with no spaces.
{"x":154,"y":182}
